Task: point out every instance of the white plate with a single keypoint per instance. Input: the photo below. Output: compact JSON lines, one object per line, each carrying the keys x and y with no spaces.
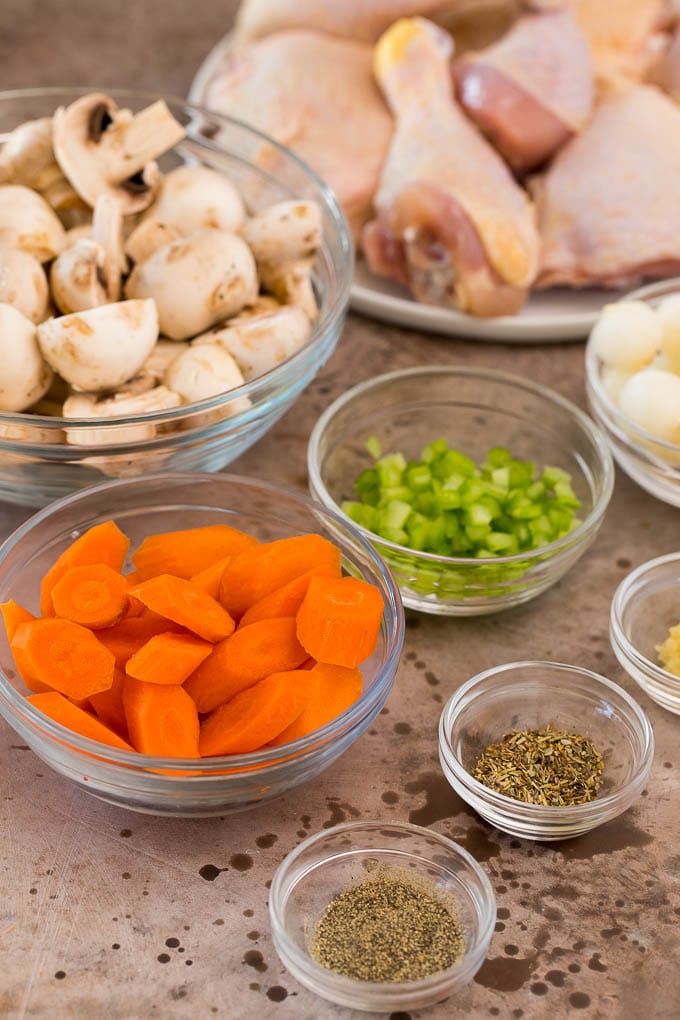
{"x":549,"y":316}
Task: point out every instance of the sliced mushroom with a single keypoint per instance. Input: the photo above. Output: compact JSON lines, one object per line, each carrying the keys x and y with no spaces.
{"x":290,"y":283}
{"x":125,"y":405}
{"x":23,"y":283}
{"x":147,"y":237}
{"x":27,"y":152}
{"x":105,"y":150}
{"x":163,"y":354}
{"x":196,"y":281}
{"x":27,"y":222}
{"x":24,"y":376}
{"x":192,"y":198}
{"x":101,"y":348}
{"x":88,"y":273}
{"x":259,"y":344}
{"x":284,"y":232}
{"x":206,"y":371}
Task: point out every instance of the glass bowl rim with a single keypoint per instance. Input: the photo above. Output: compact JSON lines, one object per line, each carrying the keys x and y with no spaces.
{"x":591,"y":429}
{"x":206,"y":768}
{"x":468,"y":963}
{"x":542,"y":812}
{"x":619,"y":604}
{"x":323,"y":326}
{"x":627,"y":430}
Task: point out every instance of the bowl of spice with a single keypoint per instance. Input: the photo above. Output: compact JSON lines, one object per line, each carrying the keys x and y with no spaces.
{"x":645,"y":628}
{"x":480,"y":489}
{"x":545,"y":750}
{"x":381,"y":916}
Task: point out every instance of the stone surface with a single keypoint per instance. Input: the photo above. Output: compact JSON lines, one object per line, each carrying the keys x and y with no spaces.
{"x":110,"y":915}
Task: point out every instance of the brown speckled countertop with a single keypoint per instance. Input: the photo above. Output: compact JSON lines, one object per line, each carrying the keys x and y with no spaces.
{"x":110,"y":915}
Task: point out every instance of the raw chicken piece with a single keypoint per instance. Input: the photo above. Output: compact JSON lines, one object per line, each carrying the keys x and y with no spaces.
{"x":451,"y":222}
{"x":531,"y":91}
{"x":666,"y":71}
{"x":621,"y":35}
{"x":607,"y":207}
{"x":363,"y":20}
{"x":316,"y":95}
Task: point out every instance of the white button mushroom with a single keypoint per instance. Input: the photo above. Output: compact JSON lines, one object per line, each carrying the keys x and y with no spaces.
{"x":101,"y":348}
{"x":123,"y":405}
{"x":262,"y":305}
{"x":104,"y":150}
{"x":651,"y":399}
{"x":290,"y":283}
{"x":28,"y":222}
{"x":196,"y":281}
{"x":192,"y":198}
{"x":25,"y":376}
{"x":88,"y":273}
{"x":206,"y":371}
{"x":259,"y":344}
{"x":27,"y":152}
{"x":163,"y":354}
{"x":83,"y":232}
{"x":147,"y":237}
{"x":627,"y":335}
{"x":23,"y":283}
{"x":284,"y":232}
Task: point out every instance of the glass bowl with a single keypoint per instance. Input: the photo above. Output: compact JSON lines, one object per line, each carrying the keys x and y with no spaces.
{"x":651,"y":462}
{"x":36,"y":464}
{"x":474,"y":409}
{"x":327,"y":863}
{"x":646,"y":604}
{"x":209,"y":786}
{"x":529,"y":695}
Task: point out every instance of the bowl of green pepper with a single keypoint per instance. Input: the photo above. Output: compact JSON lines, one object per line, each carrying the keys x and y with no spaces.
{"x":480,"y":489}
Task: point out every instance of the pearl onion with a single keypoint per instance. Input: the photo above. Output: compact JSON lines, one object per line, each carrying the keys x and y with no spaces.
{"x":627,"y":335}
{"x":651,"y":399}
{"x":612,"y":380}
{"x":668,"y":311}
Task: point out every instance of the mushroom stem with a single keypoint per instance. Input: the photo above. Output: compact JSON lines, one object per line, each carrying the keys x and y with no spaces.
{"x":128,"y":145}
{"x":107,"y":232}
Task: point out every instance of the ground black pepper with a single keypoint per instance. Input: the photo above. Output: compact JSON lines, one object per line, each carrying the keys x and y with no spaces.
{"x":392,"y":927}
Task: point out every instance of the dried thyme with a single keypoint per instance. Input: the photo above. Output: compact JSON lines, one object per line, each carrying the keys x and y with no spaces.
{"x":392,"y":927}
{"x":547,"y":766}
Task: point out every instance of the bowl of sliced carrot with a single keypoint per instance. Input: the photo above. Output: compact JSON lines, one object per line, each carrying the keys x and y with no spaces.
{"x":189,"y":644}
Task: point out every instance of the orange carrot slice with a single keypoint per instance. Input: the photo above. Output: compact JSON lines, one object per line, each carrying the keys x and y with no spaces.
{"x":168,"y":658}
{"x":63,"y":711}
{"x":258,"y":572}
{"x":208,"y":580}
{"x":94,"y":595}
{"x":185,"y":553}
{"x":64,"y":656}
{"x":335,"y":689}
{"x":128,"y":636}
{"x":339,"y":620}
{"x":162,"y":720}
{"x":13,"y":616}
{"x":177,"y":600}
{"x":255,"y":716}
{"x":284,"y":601}
{"x":249,"y":655}
{"x":104,"y":543}
{"x":108,"y":705}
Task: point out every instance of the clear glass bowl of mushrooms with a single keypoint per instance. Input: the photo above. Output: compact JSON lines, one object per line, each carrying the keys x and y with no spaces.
{"x":170,"y":281}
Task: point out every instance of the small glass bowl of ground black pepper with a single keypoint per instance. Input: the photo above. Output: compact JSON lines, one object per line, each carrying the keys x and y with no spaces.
{"x":545,"y":750}
{"x":381,"y":916}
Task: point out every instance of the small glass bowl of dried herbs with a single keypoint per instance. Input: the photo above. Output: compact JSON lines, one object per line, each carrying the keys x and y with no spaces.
{"x":545,"y":750}
{"x":381,"y":916}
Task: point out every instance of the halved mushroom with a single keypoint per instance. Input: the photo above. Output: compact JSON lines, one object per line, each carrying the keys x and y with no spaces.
{"x":262,"y":305}
{"x":259,"y":344}
{"x":147,"y":237}
{"x":27,"y":158}
{"x":101,"y":348}
{"x":123,"y":405}
{"x":284,"y":232}
{"x":88,"y":273}
{"x":25,"y":376}
{"x":192,"y":198}
{"x":206,"y":371}
{"x":290,"y":283}
{"x":163,"y":354}
{"x":23,"y":283}
{"x":83,"y":232}
{"x":196,"y":281}
{"x":105,"y":150}
{"x":27,"y":222}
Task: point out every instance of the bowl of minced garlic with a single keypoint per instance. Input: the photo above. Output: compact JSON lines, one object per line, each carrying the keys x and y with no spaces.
{"x":381,"y":916}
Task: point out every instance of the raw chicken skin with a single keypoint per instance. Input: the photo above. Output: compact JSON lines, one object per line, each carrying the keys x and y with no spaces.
{"x":532,"y":90}
{"x":620,"y":34}
{"x":607,"y":207}
{"x":451,"y":222}
{"x":316,"y":95}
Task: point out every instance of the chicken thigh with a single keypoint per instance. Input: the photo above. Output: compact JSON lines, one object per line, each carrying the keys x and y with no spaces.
{"x":317,"y":95}
{"x":607,"y":207}
{"x":451,"y":223}
{"x":531,"y":91}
